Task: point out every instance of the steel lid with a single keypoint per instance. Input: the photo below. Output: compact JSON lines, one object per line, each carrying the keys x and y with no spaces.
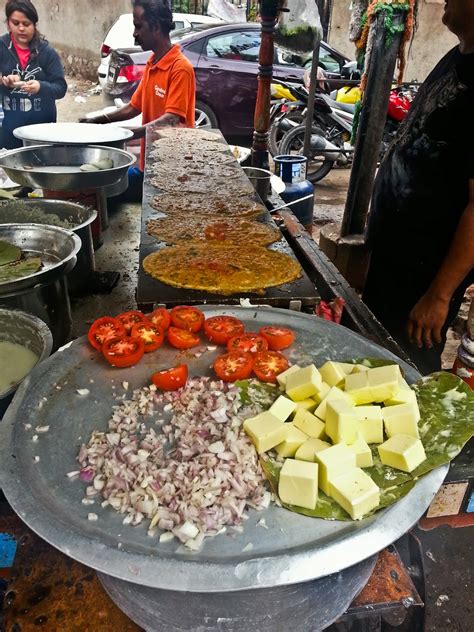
{"x":73,"y":133}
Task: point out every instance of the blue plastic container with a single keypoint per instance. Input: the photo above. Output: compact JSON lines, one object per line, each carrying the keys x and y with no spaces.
{"x":292,"y":170}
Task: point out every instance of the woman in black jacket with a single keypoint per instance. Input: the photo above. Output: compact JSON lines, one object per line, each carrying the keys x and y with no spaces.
{"x":32,"y":73}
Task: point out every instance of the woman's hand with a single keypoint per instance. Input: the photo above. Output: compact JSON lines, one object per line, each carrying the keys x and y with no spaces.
{"x":31,"y":87}
{"x":426,"y":320}
{"x":9,"y":81}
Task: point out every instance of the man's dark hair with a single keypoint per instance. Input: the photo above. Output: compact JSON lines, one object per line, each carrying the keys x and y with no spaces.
{"x":157,"y":13}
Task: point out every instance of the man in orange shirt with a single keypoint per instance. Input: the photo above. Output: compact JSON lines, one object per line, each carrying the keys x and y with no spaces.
{"x":166,"y":94}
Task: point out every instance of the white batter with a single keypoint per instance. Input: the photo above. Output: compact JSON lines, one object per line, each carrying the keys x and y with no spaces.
{"x":16,"y":362}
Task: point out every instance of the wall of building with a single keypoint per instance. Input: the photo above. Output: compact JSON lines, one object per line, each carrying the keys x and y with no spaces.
{"x":76,"y":28}
{"x":432,"y":39}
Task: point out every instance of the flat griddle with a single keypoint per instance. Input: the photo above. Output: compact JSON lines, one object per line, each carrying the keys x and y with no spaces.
{"x":151,"y":291}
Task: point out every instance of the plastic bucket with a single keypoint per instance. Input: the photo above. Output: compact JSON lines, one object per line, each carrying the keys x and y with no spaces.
{"x":260,"y":179}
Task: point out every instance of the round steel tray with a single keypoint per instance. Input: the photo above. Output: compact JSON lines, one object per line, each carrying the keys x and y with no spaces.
{"x":57,"y":248}
{"x":72,"y":133}
{"x":293,"y":549}
{"x":56,"y":167}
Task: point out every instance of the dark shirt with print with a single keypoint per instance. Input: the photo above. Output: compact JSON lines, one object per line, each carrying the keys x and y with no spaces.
{"x":422,"y":189}
{"x":19,"y":108}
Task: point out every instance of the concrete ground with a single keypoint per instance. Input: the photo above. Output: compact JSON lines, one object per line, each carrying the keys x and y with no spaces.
{"x":447,"y":553}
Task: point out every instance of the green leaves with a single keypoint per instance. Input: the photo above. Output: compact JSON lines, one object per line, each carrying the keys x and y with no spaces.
{"x":19,"y":269}
{"x":8,"y":253}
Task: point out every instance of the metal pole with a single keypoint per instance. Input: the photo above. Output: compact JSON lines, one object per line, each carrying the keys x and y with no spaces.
{"x":371,"y":125}
{"x":312,"y":91}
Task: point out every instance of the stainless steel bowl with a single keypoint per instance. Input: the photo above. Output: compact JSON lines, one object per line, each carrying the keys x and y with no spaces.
{"x":72,"y":134}
{"x":27,"y":330}
{"x":78,"y":217}
{"x":56,"y":246}
{"x":57,"y":167}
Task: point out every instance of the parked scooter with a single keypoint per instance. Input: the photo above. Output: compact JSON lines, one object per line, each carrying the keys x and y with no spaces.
{"x":332,"y":130}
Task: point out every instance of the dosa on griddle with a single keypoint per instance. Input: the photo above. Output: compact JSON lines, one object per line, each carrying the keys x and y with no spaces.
{"x":234,"y":188}
{"x":211,"y":230}
{"x":221,"y":269}
{"x":214,"y":205}
{"x":188,"y":133}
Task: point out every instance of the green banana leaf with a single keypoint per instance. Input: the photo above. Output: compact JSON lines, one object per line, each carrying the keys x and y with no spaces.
{"x":19,"y":269}
{"x":447,"y":423}
{"x":8,"y":253}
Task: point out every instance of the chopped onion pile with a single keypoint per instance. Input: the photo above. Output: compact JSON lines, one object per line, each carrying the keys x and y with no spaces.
{"x":192,"y":476}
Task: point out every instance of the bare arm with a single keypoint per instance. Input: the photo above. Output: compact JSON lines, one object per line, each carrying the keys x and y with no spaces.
{"x":429,"y":315}
{"x":166,"y":120}
{"x":124,"y":113}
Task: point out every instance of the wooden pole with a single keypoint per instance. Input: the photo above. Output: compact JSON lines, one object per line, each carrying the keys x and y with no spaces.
{"x":268,"y":17}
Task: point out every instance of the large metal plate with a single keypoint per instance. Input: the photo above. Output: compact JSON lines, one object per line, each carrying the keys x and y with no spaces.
{"x":293,"y":549}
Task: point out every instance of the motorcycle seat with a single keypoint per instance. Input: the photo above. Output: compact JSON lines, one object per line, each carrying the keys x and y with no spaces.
{"x":345,"y":107}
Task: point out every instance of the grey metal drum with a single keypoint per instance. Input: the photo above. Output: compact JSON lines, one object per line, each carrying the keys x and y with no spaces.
{"x":57,"y":167}
{"x":294,"y":548}
{"x":311,"y":606}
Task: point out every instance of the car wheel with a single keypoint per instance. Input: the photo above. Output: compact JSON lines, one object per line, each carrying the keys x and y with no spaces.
{"x":204,"y":116}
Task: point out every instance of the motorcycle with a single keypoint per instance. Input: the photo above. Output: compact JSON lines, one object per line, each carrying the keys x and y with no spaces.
{"x":333,"y":123}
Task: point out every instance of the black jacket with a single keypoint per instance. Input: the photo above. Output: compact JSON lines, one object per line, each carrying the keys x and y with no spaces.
{"x":19,"y":108}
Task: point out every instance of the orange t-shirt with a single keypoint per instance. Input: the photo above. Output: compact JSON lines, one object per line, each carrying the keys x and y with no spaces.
{"x":167,"y":86}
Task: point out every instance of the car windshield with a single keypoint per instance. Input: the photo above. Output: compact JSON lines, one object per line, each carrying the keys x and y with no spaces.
{"x":180,"y":34}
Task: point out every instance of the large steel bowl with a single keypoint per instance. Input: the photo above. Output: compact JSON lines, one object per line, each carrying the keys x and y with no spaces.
{"x":57,"y":167}
{"x":57,"y":248}
{"x":77,"y":217}
{"x":29,"y":331}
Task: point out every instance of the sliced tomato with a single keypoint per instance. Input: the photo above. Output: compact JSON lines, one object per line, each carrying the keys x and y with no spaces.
{"x":182,"y":339}
{"x":128,"y":319}
{"x":268,"y":364}
{"x":104,"y":328}
{"x":248,"y":342}
{"x":232,"y":366}
{"x":220,"y":329}
{"x":151,"y":335}
{"x":189,"y":318}
{"x":171,"y":379}
{"x":277,"y":337}
{"x":160,"y":317}
{"x":123,"y":351}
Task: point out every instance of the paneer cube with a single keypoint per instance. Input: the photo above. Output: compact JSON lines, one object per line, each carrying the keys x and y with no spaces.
{"x":307,"y":451}
{"x":403,"y":452}
{"x":303,"y":383}
{"x":383,"y":381}
{"x":322,"y":392}
{"x":360,"y":368}
{"x":401,"y":419}
{"x":333,"y":394}
{"x":281,"y":378}
{"x":309,"y":424}
{"x":403,"y":395}
{"x":357,"y":386}
{"x":332,"y":373}
{"x":306,"y":404}
{"x":356,"y":492}
{"x":370,"y":423}
{"x":299,"y":483}
{"x":362,"y":451}
{"x":282,"y":408}
{"x":334,"y":461}
{"x":294,"y":439}
{"x":266,"y":431}
{"x":341,"y":422}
